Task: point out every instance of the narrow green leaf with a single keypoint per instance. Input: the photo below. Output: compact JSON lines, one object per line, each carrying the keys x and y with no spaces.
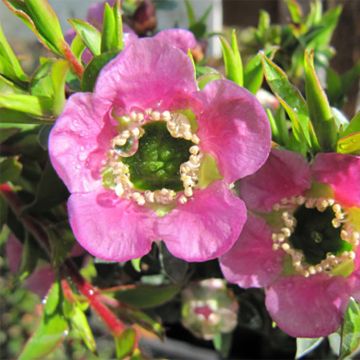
{"x":222,"y":343}
{"x":6,"y":133}
{"x":144,"y":296}
{"x":3,"y":214}
{"x":33,"y":105}
{"x":263,"y":25}
{"x":42,"y":20}
{"x":119,"y":35}
{"x":232,"y":60}
{"x":10,"y":169}
{"x":353,"y":127}
{"x":125,"y":343}
{"x":9,"y":63}
{"x":89,"y":35}
{"x":349,"y":144}
{"x":319,"y":108}
{"x":350,"y":331}
{"x":136,"y":264}
{"x":292,"y":101}
{"x":108,"y":39}
{"x":51,"y":331}
{"x":29,"y":258}
{"x":41,"y":83}
{"x":80,"y":324}
{"x":77,"y":46}
{"x":58,"y":76}
{"x":305,"y":346}
{"x":17,"y":117}
{"x":295,"y":11}
{"x":190,"y":13}
{"x":92,"y":70}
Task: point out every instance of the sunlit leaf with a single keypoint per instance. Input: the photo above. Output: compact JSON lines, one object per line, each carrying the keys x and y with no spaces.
{"x":89,"y":35}
{"x":125,"y":343}
{"x":305,"y":346}
{"x":350,"y":331}
{"x":52,"y":330}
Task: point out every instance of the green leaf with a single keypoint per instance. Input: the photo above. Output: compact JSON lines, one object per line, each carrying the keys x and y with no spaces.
{"x":51,"y":331}
{"x":50,"y":191}
{"x":295,"y":11}
{"x":190,"y":13}
{"x":145,"y":296}
{"x":59,"y":71}
{"x":262,"y":30}
{"x":42,"y":20}
{"x":17,"y":117}
{"x":89,"y":35}
{"x":292,"y":101}
{"x":9,"y":63}
{"x":28,"y":104}
{"x":80,"y":325}
{"x":3,"y":213}
{"x":92,"y":70}
{"x":319,"y":109}
{"x":305,"y":346}
{"x":222,"y":343}
{"x":6,"y":133}
{"x":119,"y":35}
{"x":77,"y":46}
{"x":10,"y":169}
{"x":108,"y":38}
{"x":349,"y":144}
{"x":232,"y":60}
{"x":353,"y":127}
{"x":125,"y":343}
{"x":136,"y":264}
{"x":29,"y":258}
{"x":350,"y":331}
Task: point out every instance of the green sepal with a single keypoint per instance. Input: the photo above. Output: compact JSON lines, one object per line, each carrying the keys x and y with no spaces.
{"x":108,"y":38}
{"x":305,"y":346}
{"x":89,"y":35}
{"x":232,"y":59}
{"x":320,"y":112}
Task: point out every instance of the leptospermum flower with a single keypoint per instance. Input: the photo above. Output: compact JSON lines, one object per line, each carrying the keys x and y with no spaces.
{"x":149,"y":157}
{"x":302,"y":240}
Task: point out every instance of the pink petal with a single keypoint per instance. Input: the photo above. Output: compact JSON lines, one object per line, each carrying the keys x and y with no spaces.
{"x":308,"y":307}
{"x":284,"y":174}
{"x":78,"y":142}
{"x":148,"y":74}
{"x":111,"y":228}
{"x":179,"y":38}
{"x":342,"y":172}
{"x":206,"y":226}
{"x":252,"y":262}
{"x":40,"y":280}
{"x":234,"y":127}
{"x":13,"y":251}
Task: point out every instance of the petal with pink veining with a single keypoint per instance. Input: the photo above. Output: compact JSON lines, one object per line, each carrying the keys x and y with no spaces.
{"x":252,"y":262}
{"x":79,"y":140}
{"x":308,"y":307}
{"x":284,"y":174}
{"x":111,"y":228}
{"x":206,"y":226}
{"x":234,"y":128}
{"x":342,"y":173}
{"x":179,"y":38}
{"x":148,"y":73}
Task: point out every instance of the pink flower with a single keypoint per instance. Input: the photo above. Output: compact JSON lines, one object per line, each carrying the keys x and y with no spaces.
{"x":148,"y":157}
{"x":301,"y":240}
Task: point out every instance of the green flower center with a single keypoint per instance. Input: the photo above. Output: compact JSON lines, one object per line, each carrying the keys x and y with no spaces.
{"x":315,"y":235}
{"x":156,"y":164}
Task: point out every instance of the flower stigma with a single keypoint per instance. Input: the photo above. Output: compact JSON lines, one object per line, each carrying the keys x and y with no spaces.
{"x":316,"y":234}
{"x":154,"y":159}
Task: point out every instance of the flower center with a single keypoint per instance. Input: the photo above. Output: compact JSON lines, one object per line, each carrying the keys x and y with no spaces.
{"x":156,"y":164}
{"x":316,"y":234}
{"x":155,"y":159}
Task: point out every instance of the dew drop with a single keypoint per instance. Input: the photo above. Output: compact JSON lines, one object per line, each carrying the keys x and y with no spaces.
{"x":129,"y":149}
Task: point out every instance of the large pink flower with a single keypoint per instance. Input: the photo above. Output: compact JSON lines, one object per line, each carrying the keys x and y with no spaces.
{"x":301,"y":240}
{"x":149,"y":157}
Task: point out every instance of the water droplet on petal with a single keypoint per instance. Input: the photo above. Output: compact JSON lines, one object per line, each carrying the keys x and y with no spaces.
{"x":129,"y":148}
